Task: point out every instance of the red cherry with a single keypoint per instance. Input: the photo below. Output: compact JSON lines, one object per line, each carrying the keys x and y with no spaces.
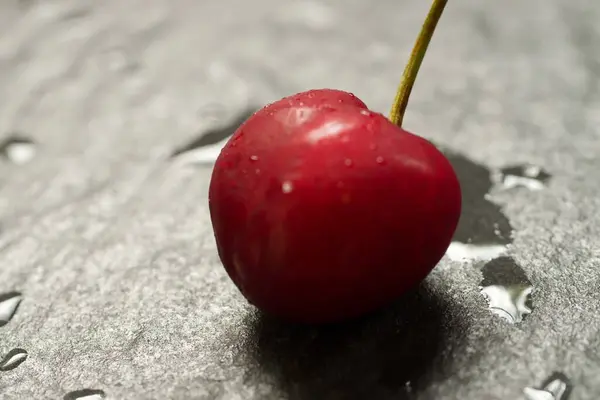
{"x":318,"y":98}
{"x":323,"y":210}
{"x":327,"y":212}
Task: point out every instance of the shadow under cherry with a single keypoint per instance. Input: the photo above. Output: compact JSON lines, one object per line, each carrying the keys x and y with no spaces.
{"x":391,"y":354}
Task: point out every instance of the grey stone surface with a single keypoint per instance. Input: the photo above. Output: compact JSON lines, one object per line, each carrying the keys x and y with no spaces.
{"x":110,"y":241}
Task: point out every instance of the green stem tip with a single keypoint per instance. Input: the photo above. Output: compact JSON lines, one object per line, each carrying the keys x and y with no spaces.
{"x":414,"y":62}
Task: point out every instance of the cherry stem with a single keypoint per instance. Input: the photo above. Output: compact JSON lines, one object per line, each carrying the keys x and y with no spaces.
{"x":414,"y":62}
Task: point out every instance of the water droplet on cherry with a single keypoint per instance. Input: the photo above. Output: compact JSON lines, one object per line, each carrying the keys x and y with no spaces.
{"x":287,"y":187}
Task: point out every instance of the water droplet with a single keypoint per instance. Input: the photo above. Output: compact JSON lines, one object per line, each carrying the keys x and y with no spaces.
{"x":556,"y":387}
{"x":287,"y":187}
{"x":254,"y":158}
{"x":85,"y":394}
{"x":348,"y":162}
{"x":379,"y":160}
{"x":365,"y":112}
{"x":13,"y":359}
{"x":9,"y":303}
{"x":528,"y":176}
{"x":507,"y":289}
{"x":18,"y":150}
{"x":206,"y":148}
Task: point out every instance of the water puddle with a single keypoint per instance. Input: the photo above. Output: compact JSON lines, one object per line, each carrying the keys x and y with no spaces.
{"x":507,"y":289}
{"x":13,"y":359}
{"x":206,"y":148}
{"x":474,"y":252}
{"x":9,"y":303}
{"x":18,"y":150}
{"x":556,"y":387}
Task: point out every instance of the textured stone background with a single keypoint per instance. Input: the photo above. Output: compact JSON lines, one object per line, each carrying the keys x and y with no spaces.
{"x":109,"y":239}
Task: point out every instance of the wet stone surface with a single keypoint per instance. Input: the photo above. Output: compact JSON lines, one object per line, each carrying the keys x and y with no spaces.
{"x":109,"y":277}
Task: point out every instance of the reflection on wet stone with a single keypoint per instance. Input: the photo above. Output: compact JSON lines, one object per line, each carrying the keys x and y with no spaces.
{"x":18,"y":149}
{"x":483,"y":231}
{"x":528,"y":176}
{"x":556,"y":387}
{"x":13,"y":359}
{"x":507,"y":289}
{"x":206,"y":148}
{"x":85,"y":394}
{"x":9,"y":303}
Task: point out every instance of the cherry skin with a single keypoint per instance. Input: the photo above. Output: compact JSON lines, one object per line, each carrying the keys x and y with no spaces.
{"x":323,"y":210}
